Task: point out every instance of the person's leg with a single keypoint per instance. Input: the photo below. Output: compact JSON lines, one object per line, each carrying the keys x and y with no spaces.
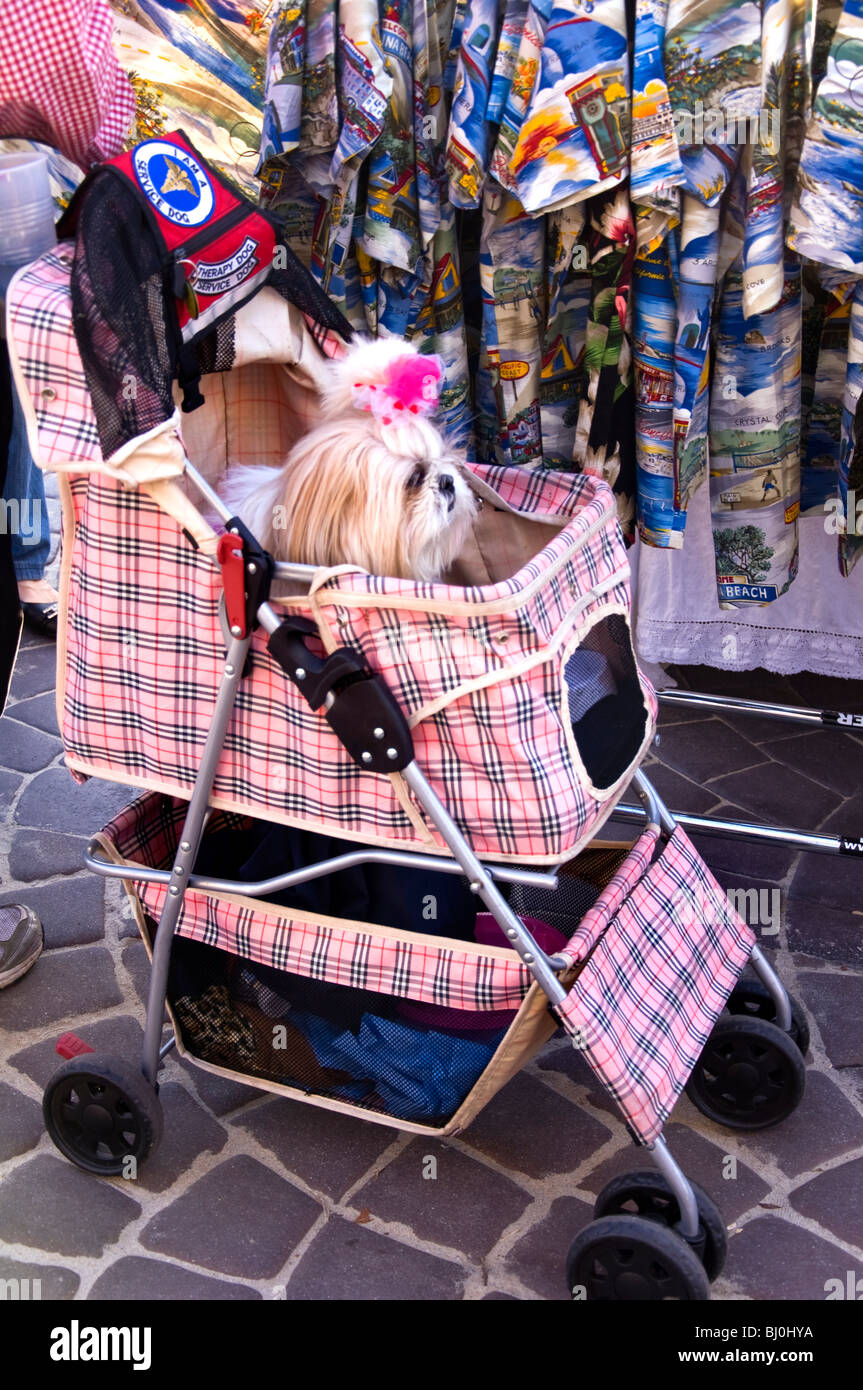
{"x":21,"y":942}
{"x":30,"y":532}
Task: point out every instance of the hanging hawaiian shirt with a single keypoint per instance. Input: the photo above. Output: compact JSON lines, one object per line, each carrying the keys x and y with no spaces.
{"x":826,"y":225}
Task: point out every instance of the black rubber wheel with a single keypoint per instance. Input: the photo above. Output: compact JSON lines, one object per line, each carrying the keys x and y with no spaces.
{"x":749,"y":1076}
{"x":648,"y":1195}
{"x":753,"y":999}
{"x":627,"y":1259}
{"x":100,"y":1112}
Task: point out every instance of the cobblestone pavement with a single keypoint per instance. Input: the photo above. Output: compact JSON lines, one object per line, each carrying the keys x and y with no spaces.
{"x":253,"y":1197}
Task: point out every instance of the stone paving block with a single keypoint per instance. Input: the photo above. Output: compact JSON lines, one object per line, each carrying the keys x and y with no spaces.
{"x":54,"y":1282}
{"x":699,"y":751}
{"x":51,"y":1205}
{"x":679,"y":792}
{"x":72,"y":911}
{"x":835,"y":1200}
{"x":219,"y":1093}
{"x":24,"y":749}
{"x":529,"y":1128}
{"x":671,"y":715}
{"x":559,"y":1055}
{"x":35,"y":671}
{"x":836,"y":1000}
{"x":771,"y":1259}
{"x":239,"y":1219}
{"x":9,"y":784}
{"x":831,"y":880}
{"x":39,"y":854}
{"x":824,"y":1125}
{"x":778,"y":794}
{"x":744,"y":857}
{"x":327,"y":1150}
{"x":827,"y":933}
{"x":40,"y":712}
{"x":134,"y":1278}
{"x":825,"y":755}
{"x":464,"y":1204}
{"x":855,"y":1076}
{"x":35,"y":639}
{"x":539,"y":1258}
{"x":137,"y":962}
{"x":53,"y":801}
{"x":111,"y":1037}
{"x":701,"y":1160}
{"x":757,"y":728}
{"x":62,"y":985}
{"x":189,"y":1131}
{"x":20,"y":1122}
{"x":352,"y":1263}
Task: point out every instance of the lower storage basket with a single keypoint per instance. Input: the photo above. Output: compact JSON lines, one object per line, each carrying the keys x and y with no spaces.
{"x":409,"y":1029}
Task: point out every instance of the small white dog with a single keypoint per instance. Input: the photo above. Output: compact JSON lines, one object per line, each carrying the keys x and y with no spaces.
{"x":375,"y":484}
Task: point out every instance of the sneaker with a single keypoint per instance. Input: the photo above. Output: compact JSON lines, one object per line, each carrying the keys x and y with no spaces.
{"x":21,"y":942}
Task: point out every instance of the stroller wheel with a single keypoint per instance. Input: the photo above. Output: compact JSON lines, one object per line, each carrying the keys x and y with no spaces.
{"x":100,"y":1112}
{"x":625,"y":1258}
{"x":749,"y":1076}
{"x":752,"y":999}
{"x":647,"y":1194}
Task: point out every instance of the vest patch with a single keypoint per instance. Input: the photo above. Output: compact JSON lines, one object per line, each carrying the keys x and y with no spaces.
{"x":174,"y":182}
{"x":211,"y":277}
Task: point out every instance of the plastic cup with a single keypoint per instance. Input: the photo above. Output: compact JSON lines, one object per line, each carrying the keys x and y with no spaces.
{"x":26,"y":210}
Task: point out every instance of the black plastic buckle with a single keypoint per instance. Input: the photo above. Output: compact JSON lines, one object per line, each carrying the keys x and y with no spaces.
{"x":359,"y":707}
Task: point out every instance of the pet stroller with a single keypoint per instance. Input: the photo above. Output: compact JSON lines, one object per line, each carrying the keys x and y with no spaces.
{"x":481,"y":730}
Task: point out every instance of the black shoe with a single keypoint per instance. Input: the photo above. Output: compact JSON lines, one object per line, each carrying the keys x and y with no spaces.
{"x":41,"y":617}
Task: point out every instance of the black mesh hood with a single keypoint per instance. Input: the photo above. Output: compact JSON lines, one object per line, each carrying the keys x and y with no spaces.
{"x":121,"y":315}
{"x":124,"y":319}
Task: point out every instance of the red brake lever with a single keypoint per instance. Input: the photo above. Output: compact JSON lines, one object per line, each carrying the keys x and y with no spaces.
{"x":232,"y":561}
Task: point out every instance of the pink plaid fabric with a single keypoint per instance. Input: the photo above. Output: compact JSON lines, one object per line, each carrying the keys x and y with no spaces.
{"x":145,"y":646}
{"x":450,"y":974}
{"x":644,"y":1005}
{"x":60,"y":82}
{"x":39,"y":310}
{"x":597,"y":918}
{"x":145,"y":651}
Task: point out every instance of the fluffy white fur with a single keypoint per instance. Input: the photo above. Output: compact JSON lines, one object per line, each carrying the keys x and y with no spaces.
{"x":389,"y":498}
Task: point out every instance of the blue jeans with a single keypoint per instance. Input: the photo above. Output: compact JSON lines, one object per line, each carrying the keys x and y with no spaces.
{"x":25,"y":512}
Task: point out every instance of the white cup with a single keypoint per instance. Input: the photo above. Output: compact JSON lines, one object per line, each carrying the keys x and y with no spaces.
{"x":26,"y":209}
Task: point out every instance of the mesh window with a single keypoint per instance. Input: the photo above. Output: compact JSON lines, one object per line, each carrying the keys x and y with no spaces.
{"x":121,"y":315}
{"x":393,"y":1056}
{"x":215,"y":351}
{"x":402,"y":1057}
{"x":606,"y":705}
{"x":580,"y":883}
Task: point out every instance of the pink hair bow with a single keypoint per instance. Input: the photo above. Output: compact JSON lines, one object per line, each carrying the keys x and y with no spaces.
{"x":410,"y":384}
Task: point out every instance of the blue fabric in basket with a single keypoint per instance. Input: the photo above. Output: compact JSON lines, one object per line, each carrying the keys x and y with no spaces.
{"x":419,"y":1074}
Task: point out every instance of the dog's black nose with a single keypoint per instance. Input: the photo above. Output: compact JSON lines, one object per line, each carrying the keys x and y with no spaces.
{"x":446,"y":483}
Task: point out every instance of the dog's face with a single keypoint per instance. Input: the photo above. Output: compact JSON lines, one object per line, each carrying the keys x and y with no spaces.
{"x":390,"y":498}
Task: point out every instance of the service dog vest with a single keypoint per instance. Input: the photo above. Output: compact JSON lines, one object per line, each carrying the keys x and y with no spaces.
{"x":217,"y":248}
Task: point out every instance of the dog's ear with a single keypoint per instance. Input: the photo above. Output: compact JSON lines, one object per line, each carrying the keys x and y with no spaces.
{"x":370,"y":375}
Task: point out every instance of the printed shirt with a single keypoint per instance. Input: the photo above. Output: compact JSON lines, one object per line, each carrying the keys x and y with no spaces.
{"x":60,"y":83}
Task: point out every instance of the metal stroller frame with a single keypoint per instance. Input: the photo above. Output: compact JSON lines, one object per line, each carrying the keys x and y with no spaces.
{"x":386,"y":735}
{"x":849,"y":845}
